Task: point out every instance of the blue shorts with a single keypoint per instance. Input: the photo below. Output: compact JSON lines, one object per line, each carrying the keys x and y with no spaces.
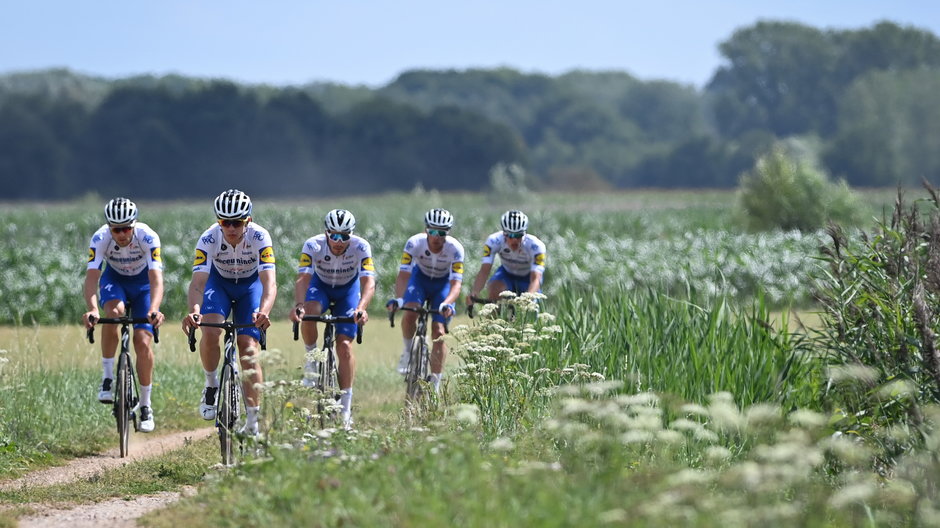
{"x":421,"y":288}
{"x":245,"y":294}
{"x":514,"y":283}
{"x":340,"y":300}
{"x":132,"y":290}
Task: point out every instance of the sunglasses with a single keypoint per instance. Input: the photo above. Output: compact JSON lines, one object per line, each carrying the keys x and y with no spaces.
{"x":339,"y":237}
{"x":437,"y":232}
{"x":232,"y":223}
{"x":514,"y":235}
{"x":121,"y":229}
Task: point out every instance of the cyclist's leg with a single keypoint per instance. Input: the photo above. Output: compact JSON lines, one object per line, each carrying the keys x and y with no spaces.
{"x":438,"y":349}
{"x":315,"y":302}
{"x":414,"y":297}
{"x":246,"y":304}
{"x":216,"y":305}
{"x":139,"y":300}
{"x":344,"y":304}
{"x":500,"y":282}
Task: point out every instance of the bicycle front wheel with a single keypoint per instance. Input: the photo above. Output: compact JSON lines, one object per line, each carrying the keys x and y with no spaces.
{"x":417,"y":368}
{"x":226,"y":419}
{"x":123,"y":400}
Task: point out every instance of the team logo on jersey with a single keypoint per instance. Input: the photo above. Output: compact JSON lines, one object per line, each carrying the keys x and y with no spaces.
{"x":305,"y":260}
{"x":405,"y":259}
{"x":91,"y":254}
{"x":487,"y":250}
{"x":200,"y":258}
{"x":259,"y":236}
{"x":155,"y":254}
{"x":367,"y":264}
{"x":148,"y":239}
{"x":208,"y":239}
{"x":457,"y":267}
{"x":267,"y":255}
{"x":540,"y":259}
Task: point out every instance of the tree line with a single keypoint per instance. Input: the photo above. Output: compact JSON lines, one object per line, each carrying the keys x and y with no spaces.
{"x":866,"y":100}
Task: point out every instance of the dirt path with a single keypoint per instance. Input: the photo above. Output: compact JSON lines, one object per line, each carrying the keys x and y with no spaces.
{"x":113,"y":512}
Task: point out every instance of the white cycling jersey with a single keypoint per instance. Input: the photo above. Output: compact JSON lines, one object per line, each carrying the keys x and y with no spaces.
{"x":253,"y":254}
{"x":143,"y":252}
{"x":449,"y":261}
{"x":528,"y":258}
{"x":336,"y":270}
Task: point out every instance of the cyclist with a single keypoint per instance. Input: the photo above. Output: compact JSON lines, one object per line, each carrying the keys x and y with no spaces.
{"x":522,"y":258}
{"x":132,"y":279}
{"x":233,"y":267}
{"x":335,"y":267}
{"x":431,"y":269}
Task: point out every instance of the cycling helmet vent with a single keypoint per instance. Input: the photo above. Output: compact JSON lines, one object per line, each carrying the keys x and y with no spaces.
{"x":232,"y":204}
{"x":340,"y":221}
{"x":514,"y":222}
{"x":120,"y":211}
{"x":439,"y":219}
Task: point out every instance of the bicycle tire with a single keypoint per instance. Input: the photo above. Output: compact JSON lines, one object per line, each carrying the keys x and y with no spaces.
{"x":328,"y":384}
{"x":123,"y":401}
{"x":417,"y":368}
{"x":227,"y":412}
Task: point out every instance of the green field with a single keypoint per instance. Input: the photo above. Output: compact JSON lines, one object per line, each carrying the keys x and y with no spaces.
{"x":663,"y":381}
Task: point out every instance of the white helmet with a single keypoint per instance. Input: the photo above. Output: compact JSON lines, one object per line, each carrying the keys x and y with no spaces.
{"x":120,"y":211}
{"x":439,"y":219}
{"x":340,"y":221}
{"x":232,"y":205}
{"x":514,"y":222}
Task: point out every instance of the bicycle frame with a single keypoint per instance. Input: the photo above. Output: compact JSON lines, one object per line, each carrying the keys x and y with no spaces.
{"x":327,"y":381}
{"x":419,"y":359}
{"x":126,"y":393}
{"x":230,"y":400}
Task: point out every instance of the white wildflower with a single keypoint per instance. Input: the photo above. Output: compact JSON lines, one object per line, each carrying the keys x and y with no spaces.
{"x":501,"y":444}
{"x":849,"y":372}
{"x":807,"y":418}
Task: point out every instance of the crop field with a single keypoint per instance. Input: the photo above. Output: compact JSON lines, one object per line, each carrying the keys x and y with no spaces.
{"x":664,"y":379}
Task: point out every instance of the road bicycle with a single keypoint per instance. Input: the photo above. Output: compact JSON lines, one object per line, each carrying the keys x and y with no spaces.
{"x":326,"y":378}
{"x":419,"y":360}
{"x":230,"y":400}
{"x":126,"y":393}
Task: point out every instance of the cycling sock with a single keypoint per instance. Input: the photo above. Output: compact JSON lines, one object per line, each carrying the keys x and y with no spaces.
{"x":408,"y":342}
{"x":212,"y":380}
{"x":345,"y":400}
{"x":108,"y":365}
{"x":436,"y":381}
{"x":252,"y":415}
{"x":310,"y":348}
{"x":145,"y":395}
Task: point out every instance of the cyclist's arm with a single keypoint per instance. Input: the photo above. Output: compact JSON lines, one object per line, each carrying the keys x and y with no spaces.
{"x":156,"y":296}
{"x":300,"y":293}
{"x":197,"y":287}
{"x":269,"y":290}
{"x":480,"y":281}
{"x":401,"y":282}
{"x":535,"y":281}
{"x":454,"y":292}
{"x":90,"y":292}
{"x":367,"y":287}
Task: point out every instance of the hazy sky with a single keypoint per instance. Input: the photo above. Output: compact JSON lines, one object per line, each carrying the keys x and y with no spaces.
{"x":372,"y":41}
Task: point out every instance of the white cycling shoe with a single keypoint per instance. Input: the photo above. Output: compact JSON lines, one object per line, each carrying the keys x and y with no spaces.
{"x":207,"y":403}
{"x":403,"y":363}
{"x":106,"y":393}
{"x":311,"y":374}
{"x":146,"y":420}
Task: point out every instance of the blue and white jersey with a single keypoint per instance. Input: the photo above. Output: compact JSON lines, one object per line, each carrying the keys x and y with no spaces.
{"x":448,"y":262}
{"x":142,"y":253}
{"x":336,"y":270}
{"x":528,"y":258}
{"x":253,"y":253}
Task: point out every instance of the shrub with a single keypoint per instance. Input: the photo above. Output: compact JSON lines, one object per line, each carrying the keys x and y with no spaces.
{"x":787,"y":191}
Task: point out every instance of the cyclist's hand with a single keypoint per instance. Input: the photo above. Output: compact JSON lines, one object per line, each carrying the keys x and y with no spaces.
{"x":394,"y":304}
{"x":297,"y":313}
{"x":261,"y":320}
{"x":190,"y":321}
{"x":89,"y":317}
{"x":361,"y":317}
{"x":446,"y":310}
{"x":156,"y":318}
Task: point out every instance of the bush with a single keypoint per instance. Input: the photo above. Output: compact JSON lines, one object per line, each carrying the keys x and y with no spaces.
{"x":788,"y":192}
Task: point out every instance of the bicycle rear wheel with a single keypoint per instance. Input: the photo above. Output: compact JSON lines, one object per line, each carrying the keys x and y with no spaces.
{"x":123,"y":400}
{"x":226,"y":419}
{"x":417,"y":368}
